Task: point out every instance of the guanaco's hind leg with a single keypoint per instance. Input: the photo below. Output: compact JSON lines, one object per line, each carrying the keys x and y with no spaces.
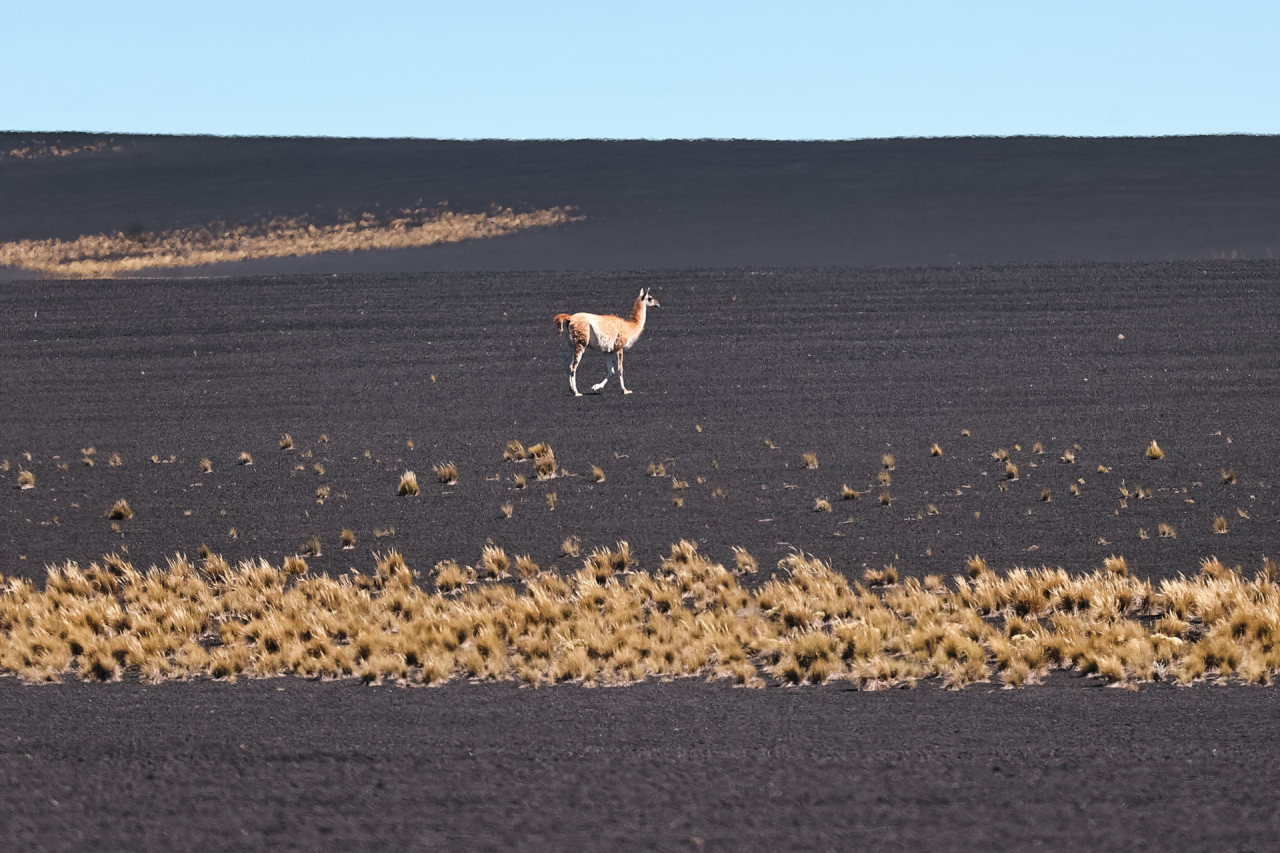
{"x":605,"y":381}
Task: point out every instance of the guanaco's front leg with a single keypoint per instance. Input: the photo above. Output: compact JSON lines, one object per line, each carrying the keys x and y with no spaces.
{"x":578,"y":350}
{"x":621,"y":380}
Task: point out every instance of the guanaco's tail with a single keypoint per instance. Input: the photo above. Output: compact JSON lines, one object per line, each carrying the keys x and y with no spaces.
{"x":562,"y":322}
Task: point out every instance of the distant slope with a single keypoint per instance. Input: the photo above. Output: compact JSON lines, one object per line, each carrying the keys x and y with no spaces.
{"x":679,"y":204}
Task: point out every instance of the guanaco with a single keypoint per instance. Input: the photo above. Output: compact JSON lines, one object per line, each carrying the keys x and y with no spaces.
{"x":603,"y":333}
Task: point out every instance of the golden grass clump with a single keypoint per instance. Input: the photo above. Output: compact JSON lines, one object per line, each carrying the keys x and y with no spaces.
{"x":408,"y":484}
{"x":120,"y":510}
{"x":1229,"y":476}
{"x":206,"y":466}
{"x":507,"y":509}
{"x":935,"y":449}
{"x":286,"y":442}
{"x":245,"y":458}
{"x":26,"y":480}
{"x":1220,"y":524}
{"x":598,"y":473}
{"x":105,"y":255}
{"x":447,"y":473}
{"x":1010,"y":471}
{"x":1154,"y":452}
{"x":821,"y":505}
{"x":348,"y":539}
{"x":515,"y":451}
{"x":847,"y":493}
{"x":544,"y":461}
{"x":809,"y":459}
{"x":1167,"y":531}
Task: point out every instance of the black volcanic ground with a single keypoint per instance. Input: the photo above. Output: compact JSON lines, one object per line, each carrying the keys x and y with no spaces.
{"x":848,"y":299}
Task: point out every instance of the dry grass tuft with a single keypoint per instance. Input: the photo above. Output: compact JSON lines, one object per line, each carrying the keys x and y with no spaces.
{"x":206,"y":466}
{"x":1068,"y":457}
{"x":936,"y":449}
{"x":120,"y":510}
{"x":1228,"y":476}
{"x":1117,"y":566}
{"x":598,"y":473}
{"x":809,"y":459}
{"x":447,"y":473}
{"x":821,"y":505}
{"x":571,"y":546}
{"x":881,"y":577}
{"x":886,"y":499}
{"x":26,"y":480}
{"x":313,"y":547}
{"x":286,"y":442}
{"x":551,"y":499}
{"x":105,"y":255}
{"x":1154,"y":452}
{"x":515,"y":451}
{"x":245,"y":458}
{"x":1167,"y":531}
{"x":1010,"y":471}
{"x":348,"y":539}
{"x":507,"y":510}
{"x":849,"y":494}
{"x":544,"y":461}
{"x":408,"y":484}
{"x":744,"y":563}
{"x":294,"y":565}
{"x":887,"y":461}
{"x":1220,"y":524}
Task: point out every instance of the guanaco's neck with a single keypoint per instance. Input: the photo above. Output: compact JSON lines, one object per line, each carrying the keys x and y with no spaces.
{"x":637,"y":313}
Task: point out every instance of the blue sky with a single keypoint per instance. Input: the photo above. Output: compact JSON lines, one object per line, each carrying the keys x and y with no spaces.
{"x":795,"y":70}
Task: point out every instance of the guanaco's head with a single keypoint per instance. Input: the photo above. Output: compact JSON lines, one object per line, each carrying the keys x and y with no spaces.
{"x":646,"y":298}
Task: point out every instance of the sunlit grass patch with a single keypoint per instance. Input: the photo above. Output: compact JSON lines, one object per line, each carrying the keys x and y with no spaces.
{"x":109,"y":254}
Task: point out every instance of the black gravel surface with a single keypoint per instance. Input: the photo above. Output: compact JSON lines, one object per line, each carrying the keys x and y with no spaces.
{"x":1051,"y":314}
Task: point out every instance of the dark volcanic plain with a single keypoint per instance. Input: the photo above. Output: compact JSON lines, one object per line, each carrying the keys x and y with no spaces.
{"x":848,"y":300}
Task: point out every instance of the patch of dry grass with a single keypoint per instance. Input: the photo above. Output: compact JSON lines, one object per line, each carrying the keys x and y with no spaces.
{"x":106,"y":255}
{"x":611,"y":623}
{"x":447,"y":473}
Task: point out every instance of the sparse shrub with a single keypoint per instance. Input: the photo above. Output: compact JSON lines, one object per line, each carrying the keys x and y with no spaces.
{"x":887,"y":461}
{"x":886,"y":499}
{"x":507,"y":509}
{"x":884,"y":478}
{"x":447,"y":473}
{"x":809,"y":459}
{"x":1154,"y":452}
{"x":408,"y":484}
{"x":1068,"y":457}
{"x":657,"y":470}
{"x":520,"y":481}
{"x":206,"y":465}
{"x":1037,"y":448}
{"x":246,"y":458}
{"x":821,"y":505}
{"x":598,"y":473}
{"x":294,"y":565}
{"x":1220,"y":524}
{"x":348,"y":539}
{"x":849,"y":494}
{"x":120,"y":510}
{"x":286,"y":442}
{"x":26,"y":480}
{"x":936,"y":449}
{"x":1167,"y":531}
{"x":551,"y":501}
{"x":1010,"y":471}
{"x":312,"y":547}
{"x":571,"y":546}
{"x":515,"y":451}
{"x":115,"y":461}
